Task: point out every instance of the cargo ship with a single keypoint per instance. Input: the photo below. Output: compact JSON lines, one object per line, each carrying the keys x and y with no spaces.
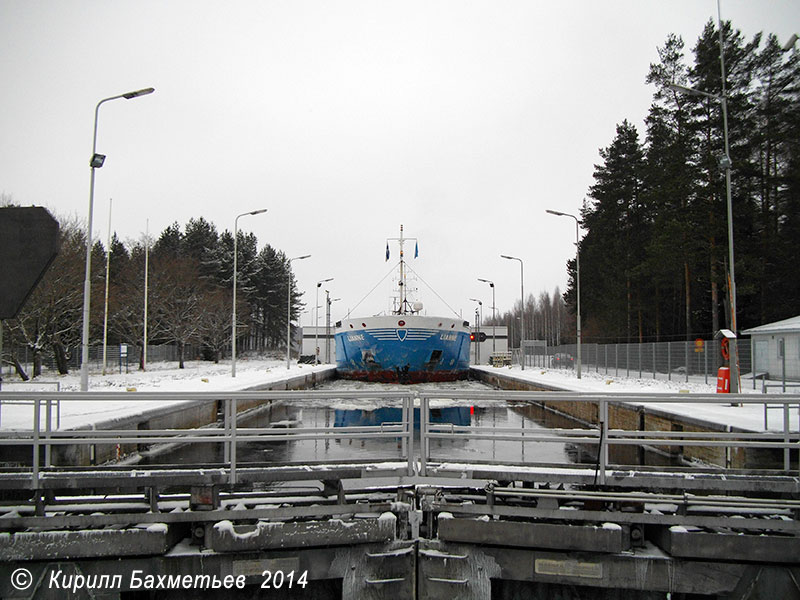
{"x":404,"y":346}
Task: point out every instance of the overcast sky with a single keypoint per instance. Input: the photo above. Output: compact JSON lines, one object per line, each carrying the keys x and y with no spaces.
{"x":461,"y":120}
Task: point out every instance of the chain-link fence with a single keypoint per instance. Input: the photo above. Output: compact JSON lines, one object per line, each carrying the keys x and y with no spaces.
{"x":657,"y":360}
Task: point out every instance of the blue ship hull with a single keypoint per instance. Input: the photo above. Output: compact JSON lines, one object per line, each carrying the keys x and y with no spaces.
{"x":402,"y":349}
{"x":457,"y":415}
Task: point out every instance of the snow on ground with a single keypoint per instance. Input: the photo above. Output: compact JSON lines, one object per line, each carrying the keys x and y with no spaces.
{"x":747,"y":416}
{"x":198,"y":376}
{"x":205,"y":376}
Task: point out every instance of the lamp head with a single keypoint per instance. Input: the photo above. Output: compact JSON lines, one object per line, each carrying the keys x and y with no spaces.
{"x":137,"y":93}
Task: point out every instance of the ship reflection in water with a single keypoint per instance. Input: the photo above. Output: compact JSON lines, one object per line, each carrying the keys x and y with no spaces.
{"x":455,"y":415}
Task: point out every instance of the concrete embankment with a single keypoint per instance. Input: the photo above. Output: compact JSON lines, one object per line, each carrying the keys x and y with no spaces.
{"x":636,"y":417}
{"x":185,"y":415}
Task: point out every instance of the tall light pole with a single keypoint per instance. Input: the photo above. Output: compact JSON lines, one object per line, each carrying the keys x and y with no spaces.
{"x":316,"y":323}
{"x":328,"y":302}
{"x":108,"y":272}
{"x":235,"y":271}
{"x":577,"y":277}
{"x":726,"y":164}
{"x":494,"y":320}
{"x":521,"y":307}
{"x":146,"y":275}
{"x":289,"y":311}
{"x":95,"y":163}
{"x":478,"y":329}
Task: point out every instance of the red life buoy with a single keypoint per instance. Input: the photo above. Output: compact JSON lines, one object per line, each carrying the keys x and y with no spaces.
{"x":724,"y":348}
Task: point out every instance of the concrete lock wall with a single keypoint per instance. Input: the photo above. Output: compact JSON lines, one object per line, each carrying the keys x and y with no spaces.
{"x":188,"y":415}
{"x":639,"y":418}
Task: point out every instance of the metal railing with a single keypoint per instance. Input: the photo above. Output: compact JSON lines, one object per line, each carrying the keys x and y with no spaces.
{"x":232,"y":435}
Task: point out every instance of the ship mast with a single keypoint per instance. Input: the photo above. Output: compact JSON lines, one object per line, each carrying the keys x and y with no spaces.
{"x":403,"y":308}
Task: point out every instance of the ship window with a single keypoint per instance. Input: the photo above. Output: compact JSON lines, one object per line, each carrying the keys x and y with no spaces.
{"x":440,"y":325}
{"x":351,"y":325}
{"x":401,"y":323}
{"x":363,"y":324}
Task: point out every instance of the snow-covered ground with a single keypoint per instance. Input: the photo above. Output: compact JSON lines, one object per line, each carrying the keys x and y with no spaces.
{"x":204,"y":376}
{"x":747,"y":416}
{"x":198,"y":376}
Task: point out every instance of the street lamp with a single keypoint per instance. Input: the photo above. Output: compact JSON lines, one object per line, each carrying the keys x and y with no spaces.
{"x":726,"y":164}
{"x":316,"y":323}
{"x":494,"y":319}
{"x":95,"y":162}
{"x":289,"y":310}
{"x":478,"y":330}
{"x":521,"y":308}
{"x":328,"y":301}
{"x":108,"y":272}
{"x":235,"y":270}
{"x":578,"y":278}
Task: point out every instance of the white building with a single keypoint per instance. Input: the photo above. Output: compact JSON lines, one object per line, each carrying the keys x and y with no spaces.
{"x":776,"y":348}
{"x":317,"y":337}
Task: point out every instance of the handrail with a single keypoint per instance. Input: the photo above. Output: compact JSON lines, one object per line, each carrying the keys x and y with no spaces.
{"x":231,"y":435}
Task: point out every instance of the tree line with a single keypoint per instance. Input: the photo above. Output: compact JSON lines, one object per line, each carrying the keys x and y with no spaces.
{"x":546,"y":318}
{"x":189,"y":295}
{"x":654,"y":257}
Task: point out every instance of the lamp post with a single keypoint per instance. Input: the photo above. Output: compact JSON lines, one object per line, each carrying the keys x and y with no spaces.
{"x":521,"y":308}
{"x":494,"y":320}
{"x":146,"y":272}
{"x":577,"y":277}
{"x":289,"y":310}
{"x":235,"y":270}
{"x":108,"y":272}
{"x":479,"y":320}
{"x":328,"y":302}
{"x":316,"y":323}
{"x":95,"y":162}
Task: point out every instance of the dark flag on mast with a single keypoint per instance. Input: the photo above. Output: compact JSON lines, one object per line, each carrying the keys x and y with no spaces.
{"x":387,"y":250}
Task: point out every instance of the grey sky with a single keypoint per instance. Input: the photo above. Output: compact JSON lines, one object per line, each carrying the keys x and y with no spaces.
{"x":461,"y":120}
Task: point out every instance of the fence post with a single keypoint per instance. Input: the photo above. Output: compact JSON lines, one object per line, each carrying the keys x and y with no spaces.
{"x":47,"y":429}
{"x":36,"y":427}
{"x":234,"y":425}
{"x":226,"y":426}
{"x":669,"y":361}
{"x":627,"y":360}
{"x":686,"y":358}
{"x":423,"y":433}
{"x":639,"y":346}
{"x":786,"y":461}
{"x":654,"y":360}
{"x":605,"y":348}
{"x":602,"y":450}
{"x":705,"y":363}
{"x":410,"y":409}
